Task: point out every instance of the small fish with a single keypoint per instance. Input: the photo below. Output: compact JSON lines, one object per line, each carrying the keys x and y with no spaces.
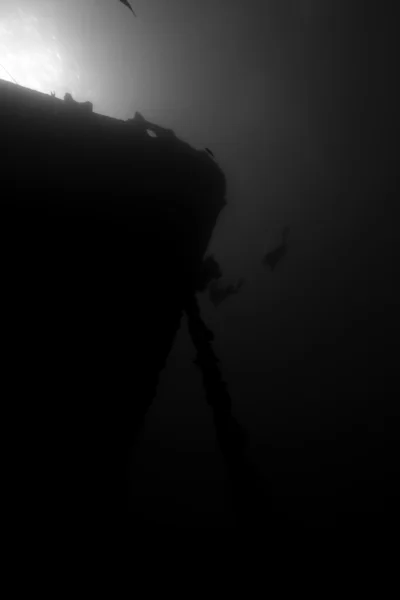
{"x":126,"y":3}
{"x":272,"y":258}
{"x":209,"y":152}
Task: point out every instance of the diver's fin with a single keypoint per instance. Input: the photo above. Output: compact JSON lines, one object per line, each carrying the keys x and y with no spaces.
{"x":126,"y":3}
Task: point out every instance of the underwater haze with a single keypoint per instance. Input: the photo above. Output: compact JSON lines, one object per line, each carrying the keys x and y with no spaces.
{"x":297,"y":101}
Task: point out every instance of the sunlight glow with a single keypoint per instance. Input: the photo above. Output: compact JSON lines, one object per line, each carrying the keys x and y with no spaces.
{"x":34,"y":58}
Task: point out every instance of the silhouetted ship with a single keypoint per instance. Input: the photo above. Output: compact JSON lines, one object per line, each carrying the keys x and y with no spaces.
{"x":218,"y":294}
{"x":104,"y":228}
